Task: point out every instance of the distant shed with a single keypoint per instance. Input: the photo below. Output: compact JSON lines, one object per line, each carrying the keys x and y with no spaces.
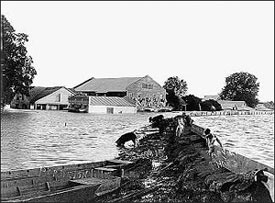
{"x":110,"y":105}
{"x":233,"y":105}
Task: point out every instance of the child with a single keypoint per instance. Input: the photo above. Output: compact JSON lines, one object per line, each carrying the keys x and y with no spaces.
{"x":210,"y":140}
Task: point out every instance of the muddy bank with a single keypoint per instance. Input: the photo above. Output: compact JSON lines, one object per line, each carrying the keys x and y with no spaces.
{"x":167,"y":168}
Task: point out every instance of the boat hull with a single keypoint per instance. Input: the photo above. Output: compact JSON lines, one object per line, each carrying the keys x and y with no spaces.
{"x":81,"y":193}
{"x":67,"y":183}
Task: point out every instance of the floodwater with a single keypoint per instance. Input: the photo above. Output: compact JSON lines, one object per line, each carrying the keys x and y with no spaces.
{"x":46,"y":138}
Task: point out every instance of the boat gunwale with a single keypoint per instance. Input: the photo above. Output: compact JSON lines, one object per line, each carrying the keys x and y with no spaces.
{"x":251,"y":164}
{"x":47,"y":170}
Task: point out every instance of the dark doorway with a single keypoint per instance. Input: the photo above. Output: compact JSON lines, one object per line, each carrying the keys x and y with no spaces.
{"x":110,"y":110}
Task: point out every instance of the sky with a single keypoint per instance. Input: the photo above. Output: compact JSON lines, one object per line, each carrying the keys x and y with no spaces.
{"x":200,"y":42}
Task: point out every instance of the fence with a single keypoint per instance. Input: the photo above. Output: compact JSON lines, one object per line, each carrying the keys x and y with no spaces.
{"x":231,"y":112}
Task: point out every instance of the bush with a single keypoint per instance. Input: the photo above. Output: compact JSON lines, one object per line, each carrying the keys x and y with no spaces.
{"x":193,"y":102}
{"x":210,"y":105}
{"x":175,"y":101}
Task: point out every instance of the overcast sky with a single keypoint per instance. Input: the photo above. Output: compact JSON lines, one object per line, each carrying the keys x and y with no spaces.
{"x":200,"y":42}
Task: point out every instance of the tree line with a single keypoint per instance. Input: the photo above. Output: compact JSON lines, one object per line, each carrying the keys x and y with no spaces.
{"x":240,"y":86}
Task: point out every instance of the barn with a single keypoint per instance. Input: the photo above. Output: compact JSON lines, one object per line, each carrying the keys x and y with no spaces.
{"x":144,"y":92}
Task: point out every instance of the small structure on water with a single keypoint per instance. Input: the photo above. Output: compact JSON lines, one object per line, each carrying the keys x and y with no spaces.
{"x":94,"y":104}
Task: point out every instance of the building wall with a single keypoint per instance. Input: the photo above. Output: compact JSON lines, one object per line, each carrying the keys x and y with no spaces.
{"x":147,"y":93}
{"x":59,"y":97}
{"x":232,"y":104}
{"x":116,"y":109}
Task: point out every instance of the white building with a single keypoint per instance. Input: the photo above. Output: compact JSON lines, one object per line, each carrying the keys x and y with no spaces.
{"x":112,"y":105}
{"x":233,"y":105}
{"x":51,"y":98}
{"x":103,"y":104}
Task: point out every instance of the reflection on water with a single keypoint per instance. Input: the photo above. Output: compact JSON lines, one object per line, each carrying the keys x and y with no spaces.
{"x":45,"y":138}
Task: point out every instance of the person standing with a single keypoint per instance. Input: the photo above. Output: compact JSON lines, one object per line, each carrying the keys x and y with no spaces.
{"x":180,"y":127}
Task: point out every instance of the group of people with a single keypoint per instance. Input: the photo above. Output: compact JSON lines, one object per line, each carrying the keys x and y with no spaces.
{"x":183,"y":121}
{"x":211,"y":140}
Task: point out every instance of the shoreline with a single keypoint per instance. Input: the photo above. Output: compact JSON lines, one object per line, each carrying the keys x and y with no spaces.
{"x":171,"y":113}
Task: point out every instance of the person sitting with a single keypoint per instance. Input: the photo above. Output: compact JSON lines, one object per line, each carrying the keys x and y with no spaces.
{"x":211,"y":141}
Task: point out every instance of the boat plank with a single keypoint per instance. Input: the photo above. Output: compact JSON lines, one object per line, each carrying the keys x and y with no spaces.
{"x":47,"y":171}
{"x":117,"y":161}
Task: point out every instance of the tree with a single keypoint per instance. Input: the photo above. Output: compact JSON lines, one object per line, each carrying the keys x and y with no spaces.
{"x":193,"y":102}
{"x":16,"y":66}
{"x":178,"y":86}
{"x":241,"y":86}
{"x":175,"y":89}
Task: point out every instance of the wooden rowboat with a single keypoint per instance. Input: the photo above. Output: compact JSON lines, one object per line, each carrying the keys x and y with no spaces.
{"x":237,"y":163}
{"x":67,"y":183}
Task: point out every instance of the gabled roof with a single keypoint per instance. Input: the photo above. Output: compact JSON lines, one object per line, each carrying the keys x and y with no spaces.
{"x":34,"y":92}
{"x":37,"y":93}
{"x":104,"y":85}
{"x":71,"y":90}
{"x":110,"y":101}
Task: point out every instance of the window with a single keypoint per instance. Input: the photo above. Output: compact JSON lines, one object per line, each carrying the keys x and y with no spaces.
{"x":58,"y":98}
{"x":147,"y":86}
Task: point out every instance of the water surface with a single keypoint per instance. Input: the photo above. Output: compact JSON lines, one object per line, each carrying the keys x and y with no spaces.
{"x":46,"y":138}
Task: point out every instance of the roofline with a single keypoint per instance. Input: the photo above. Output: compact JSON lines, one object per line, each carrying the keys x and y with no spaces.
{"x":229,"y":101}
{"x":69,"y":90}
{"x":98,"y":91}
{"x":145,"y":77}
{"x":139,"y":78}
{"x":59,"y":87}
{"x":83,"y":82}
